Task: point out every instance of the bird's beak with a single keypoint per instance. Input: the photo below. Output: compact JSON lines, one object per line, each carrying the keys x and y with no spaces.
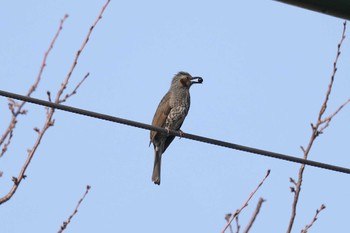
{"x":196,"y":80}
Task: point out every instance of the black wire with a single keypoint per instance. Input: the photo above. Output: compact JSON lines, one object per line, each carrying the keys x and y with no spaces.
{"x":176,"y":133}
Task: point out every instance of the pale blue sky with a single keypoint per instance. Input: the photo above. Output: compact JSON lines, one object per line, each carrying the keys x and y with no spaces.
{"x":266,"y":67}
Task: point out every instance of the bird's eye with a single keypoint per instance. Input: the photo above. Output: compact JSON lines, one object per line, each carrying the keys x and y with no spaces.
{"x":184,"y":81}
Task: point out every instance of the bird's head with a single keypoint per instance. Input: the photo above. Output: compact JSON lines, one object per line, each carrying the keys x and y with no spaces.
{"x":185,"y":80}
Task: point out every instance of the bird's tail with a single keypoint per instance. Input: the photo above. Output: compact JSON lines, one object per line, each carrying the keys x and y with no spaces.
{"x":156,"y":167}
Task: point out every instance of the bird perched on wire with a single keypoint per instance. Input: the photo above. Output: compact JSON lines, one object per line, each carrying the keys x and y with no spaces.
{"x":170,"y":114}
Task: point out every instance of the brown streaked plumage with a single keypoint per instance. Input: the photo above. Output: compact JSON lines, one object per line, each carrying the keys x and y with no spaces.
{"x":170,"y":114}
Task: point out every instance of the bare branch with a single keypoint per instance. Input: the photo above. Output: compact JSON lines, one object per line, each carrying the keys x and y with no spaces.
{"x":292,"y":181}
{"x":316,"y":131}
{"x":65,"y":223}
{"x":31,"y":152}
{"x":237,"y":224}
{"x":308,"y":226}
{"x":49,"y":121}
{"x":330,"y":85}
{"x":32,"y":89}
{"x":19,"y":108}
{"x":328,"y":119}
{"x":48,"y":95}
{"x":9,"y":134}
{"x":75,"y":62}
{"x":246,"y":202}
{"x":256,"y":212}
{"x":75,"y":89}
{"x":227,"y":218}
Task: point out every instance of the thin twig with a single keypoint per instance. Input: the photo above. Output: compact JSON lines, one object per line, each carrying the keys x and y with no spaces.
{"x":49,"y":122}
{"x":227,"y":218}
{"x":308,"y":226}
{"x":316,"y":131}
{"x":246,"y":202}
{"x":20,"y":111}
{"x":330,"y":85}
{"x":65,"y":223}
{"x":256,"y":212}
{"x":75,"y":89}
{"x":238,"y":227}
{"x":75,"y":62}
{"x":31,"y":152}
{"x":328,"y":119}
{"x":19,"y":108}
{"x":32,"y":89}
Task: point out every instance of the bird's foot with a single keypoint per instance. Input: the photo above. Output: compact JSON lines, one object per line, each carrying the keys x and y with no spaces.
{"x":181,"y":133}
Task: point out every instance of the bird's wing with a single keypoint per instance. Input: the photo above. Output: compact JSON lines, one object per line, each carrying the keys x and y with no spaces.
{"x":161,"y":114}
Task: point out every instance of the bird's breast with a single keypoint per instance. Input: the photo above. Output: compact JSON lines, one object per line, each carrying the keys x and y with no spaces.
{"x":176,"y":117}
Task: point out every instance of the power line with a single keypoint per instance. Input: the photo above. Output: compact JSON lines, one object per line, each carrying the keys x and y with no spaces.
{"x":176,"y":133}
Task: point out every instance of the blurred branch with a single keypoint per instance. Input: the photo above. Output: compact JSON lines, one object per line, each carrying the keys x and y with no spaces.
{"x":65,"y":223}
{"x":256,"y":212}
{"x":49,"y":121}
{"x":317,"y":129}
{"x":17,"y":109}
{"x":307,"y":227}
{"x":246,"y":202}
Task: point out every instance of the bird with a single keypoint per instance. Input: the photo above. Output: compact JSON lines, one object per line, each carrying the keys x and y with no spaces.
{"x":170,"y":114}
